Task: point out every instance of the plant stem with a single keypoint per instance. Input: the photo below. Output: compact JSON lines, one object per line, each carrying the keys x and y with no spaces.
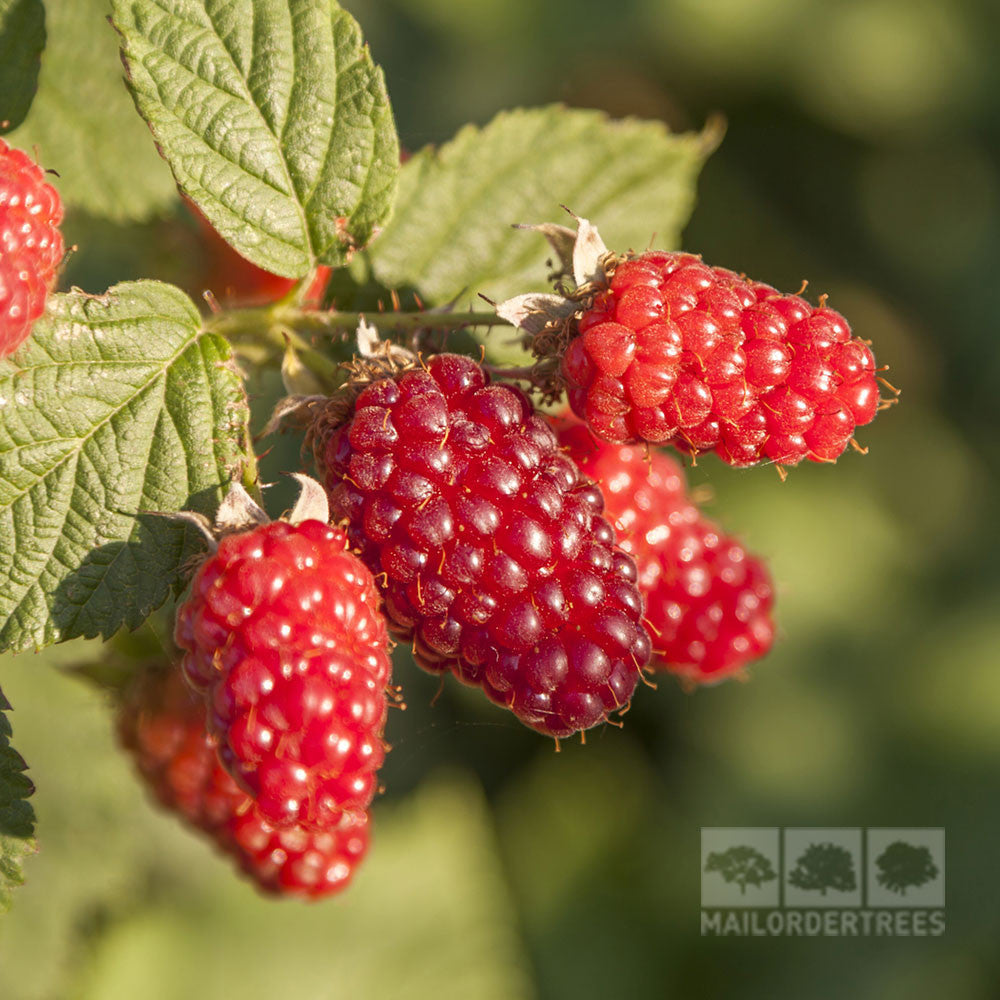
{"x":527,"y":372}
{"x":270,"y":329}
{"x":253,"y":322}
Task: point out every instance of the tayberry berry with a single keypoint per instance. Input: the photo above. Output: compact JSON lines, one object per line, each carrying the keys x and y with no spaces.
{"x":488,"y":544}
{"x":162,"y":725}
{"x":675,"y":351}
{"x":708,"y":601}
{"x":284,"y":638}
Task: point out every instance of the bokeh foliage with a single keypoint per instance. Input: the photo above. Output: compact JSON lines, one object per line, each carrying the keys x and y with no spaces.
{"x":862,"y":152}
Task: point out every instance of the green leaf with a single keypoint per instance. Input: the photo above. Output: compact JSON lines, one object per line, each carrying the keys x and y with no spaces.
{"x":273,"y":118}
{"x":451,"y":231}
{"x":83,"y":124}
{"x":17,"y":818}
{"x":117,"y":405}
{"x":22,"y":38}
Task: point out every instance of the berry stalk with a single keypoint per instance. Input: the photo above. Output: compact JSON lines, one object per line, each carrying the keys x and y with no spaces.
{"x":260,"y":323}
{"x":264,"y":333}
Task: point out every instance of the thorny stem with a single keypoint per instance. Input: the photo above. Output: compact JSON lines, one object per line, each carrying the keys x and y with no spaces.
{"x":527,"y":372}
{"x":268,"y":330}
{"x":306,"y":321}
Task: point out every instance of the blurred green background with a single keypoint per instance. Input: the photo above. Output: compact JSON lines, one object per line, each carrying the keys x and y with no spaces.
{"x":862,"y":152}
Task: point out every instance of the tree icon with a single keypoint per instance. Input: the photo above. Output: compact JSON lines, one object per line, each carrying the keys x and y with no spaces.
{"x":741,"y":864}
{"x":903,"y":865}
{"x":824,"y":866}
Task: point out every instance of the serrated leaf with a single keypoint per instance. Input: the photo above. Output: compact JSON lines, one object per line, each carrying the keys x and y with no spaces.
{"x":117,"y":405}
{"x":17,"y":817}
{"x":22,"y":38}
{"x":82,"y":122}
{"x":273,"y":118}
{"x":452,"y":228}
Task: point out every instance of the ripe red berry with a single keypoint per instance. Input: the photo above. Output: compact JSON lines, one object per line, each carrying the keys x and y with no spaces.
{"x":488,"y":543}
{"x":675,"y":351}
{"x":31,"y":246}
{"x":708,"y":601}
{"x":285,"y":641}
{"x":163,"y":727}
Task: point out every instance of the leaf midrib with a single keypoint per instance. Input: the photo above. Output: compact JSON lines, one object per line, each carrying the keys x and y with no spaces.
{"x":248,"y":97}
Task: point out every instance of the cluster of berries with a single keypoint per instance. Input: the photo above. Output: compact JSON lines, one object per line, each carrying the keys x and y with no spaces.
{"x":549,"y":562}
{"x":483,"y":523}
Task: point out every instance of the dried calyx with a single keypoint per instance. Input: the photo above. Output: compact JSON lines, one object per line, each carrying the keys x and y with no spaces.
{"x":547,"y":319}
{"x":240,"y":512}
{"x":319,"y":415}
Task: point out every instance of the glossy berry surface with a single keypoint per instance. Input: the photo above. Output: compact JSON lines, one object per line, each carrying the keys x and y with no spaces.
{"x":162,"y":725}
{"x":708,"y":601}
{"x":489,"y":544}
{"x":676,"y":351}
{"x":285,"y":641}
{"x":31,"y":246}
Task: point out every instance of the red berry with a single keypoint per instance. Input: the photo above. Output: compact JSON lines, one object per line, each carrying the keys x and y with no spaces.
{"x":489,"y":544}
{"x":163,"y":727}
{"x":31,"y":246}
{"x":708,"y":602}
{"x":674,"y":351}
{"x":236,"y":281}
{"x":285,"y":641}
